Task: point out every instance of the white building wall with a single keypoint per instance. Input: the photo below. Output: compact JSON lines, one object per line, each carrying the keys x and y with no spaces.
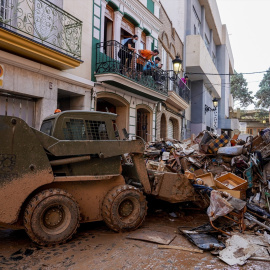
{"x":176,"y":9}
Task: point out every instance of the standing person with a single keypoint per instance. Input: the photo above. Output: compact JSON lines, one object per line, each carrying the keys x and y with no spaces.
{"x":145,"y":55}
{"x":126,"y":51}
{"x":183,"y":82}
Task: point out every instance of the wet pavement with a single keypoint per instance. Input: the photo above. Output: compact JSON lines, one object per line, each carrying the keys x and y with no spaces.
{"x":96,"y":247}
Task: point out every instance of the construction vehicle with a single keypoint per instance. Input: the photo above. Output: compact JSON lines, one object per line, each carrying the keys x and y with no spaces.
{"x":72,"y":171}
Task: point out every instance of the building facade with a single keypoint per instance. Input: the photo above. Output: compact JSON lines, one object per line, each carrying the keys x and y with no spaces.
{"x":171,"y":119}
{"x":252,"y":121}
{"x":45,"y":57}
{"x":207,"y":57}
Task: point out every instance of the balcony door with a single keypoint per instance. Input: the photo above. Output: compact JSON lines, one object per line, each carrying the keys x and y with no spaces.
{"x":108,"y":32}
{"x":142,"y":123}
{"x":8,"y":10}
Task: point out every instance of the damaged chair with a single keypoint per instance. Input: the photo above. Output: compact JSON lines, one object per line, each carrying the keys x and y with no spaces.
{"x":224,"y":205}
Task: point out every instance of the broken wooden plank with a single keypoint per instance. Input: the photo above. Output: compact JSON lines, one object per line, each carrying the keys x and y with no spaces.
{"x":180,"y":248}
{"x":152,"y":236}
{"x":264,"y":259}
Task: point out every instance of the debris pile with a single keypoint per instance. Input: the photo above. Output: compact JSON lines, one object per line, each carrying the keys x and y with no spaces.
{"x":234,"y":175}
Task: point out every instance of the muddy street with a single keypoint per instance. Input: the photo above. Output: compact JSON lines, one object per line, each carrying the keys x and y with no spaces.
{"x":97,"y":247}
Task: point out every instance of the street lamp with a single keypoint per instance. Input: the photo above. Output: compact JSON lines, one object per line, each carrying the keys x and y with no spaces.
{"x":208,"y":109}
{"x":177,"y":64}
{"x":215,"y":102}
{"x":264,"y":121}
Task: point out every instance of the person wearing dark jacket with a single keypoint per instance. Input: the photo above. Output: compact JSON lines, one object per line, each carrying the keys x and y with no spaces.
{"x":126,"y":52}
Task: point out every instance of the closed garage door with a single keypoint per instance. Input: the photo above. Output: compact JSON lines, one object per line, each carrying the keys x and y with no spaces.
{"x":170,"y":129}
{"x":21,"y":107}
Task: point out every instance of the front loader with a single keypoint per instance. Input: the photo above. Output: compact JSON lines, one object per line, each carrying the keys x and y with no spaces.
{"x":71,"y":172}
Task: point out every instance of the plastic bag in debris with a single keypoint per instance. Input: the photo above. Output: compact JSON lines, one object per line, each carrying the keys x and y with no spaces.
{"x":218,"y":206}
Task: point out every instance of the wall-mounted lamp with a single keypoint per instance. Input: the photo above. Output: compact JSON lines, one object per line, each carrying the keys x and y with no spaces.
{"x":264,"y":121}
{"x":177,"y":67}
{"x":177,"y":64}
{"x":208,"y":109}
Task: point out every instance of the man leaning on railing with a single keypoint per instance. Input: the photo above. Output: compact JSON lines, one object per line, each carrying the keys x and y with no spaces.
{"x":153,"y":69}
{"x":145,"y":55}
{"x":126,"y":52}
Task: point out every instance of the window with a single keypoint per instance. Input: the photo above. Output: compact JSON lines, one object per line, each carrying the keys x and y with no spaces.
{"x":108,"y":24}
{"x":172,"y":84}
{"x":250,"y":131}
{"x":198,"y":23}
{"x":151,"y":5}
{"x":214,"y":58}
{"x":96,"y":130}
{"x":74,"y":130}
{"x":6,"y":10}
{"x":46,"y":127}
{"x":207,"y":43}
{"x":164,"y":59}
{"x":143,"y":41}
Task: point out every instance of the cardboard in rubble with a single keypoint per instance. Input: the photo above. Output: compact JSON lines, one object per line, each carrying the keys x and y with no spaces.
{"x":199,"y":172}
{"x":208,"y":179}
{"x":239,"y":194}
{"x":190,"y":175}
{"x":231,"y":181}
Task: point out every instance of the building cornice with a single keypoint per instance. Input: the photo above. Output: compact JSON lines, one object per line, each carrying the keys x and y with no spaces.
{"x":143,"y":13}
{"x":20,"y":62}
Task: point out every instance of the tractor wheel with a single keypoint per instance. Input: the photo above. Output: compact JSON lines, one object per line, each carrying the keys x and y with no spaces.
{"x":124,"y":208}
{"x":51,"y":217}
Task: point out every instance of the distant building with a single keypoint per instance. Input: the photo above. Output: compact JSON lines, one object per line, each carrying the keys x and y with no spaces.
{"x":207,"y":56}
{"x":252,"y":121}
{"x":171,"y":120}
{"x":148,"y":105}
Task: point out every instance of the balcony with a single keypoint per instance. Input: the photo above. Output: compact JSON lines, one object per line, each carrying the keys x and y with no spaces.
{"x":178,"y":91}
{"x":199,"y":64}
{"x":156,"y":84}
{"x":41,"y":31}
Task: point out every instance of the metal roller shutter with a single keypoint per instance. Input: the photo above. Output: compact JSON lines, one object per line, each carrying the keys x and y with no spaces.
{"x":21,"y":107}
{"x":170,"y":129}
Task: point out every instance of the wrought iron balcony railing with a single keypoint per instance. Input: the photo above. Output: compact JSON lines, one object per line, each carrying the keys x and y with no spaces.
{"x":109,"y":59}
{"x":174,"y":83}
{"x":43,"y":22}
{"x":112,"y":57}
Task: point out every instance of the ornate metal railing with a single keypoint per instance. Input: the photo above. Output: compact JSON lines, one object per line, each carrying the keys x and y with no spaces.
{"x":174,"y":83}
{"x":43,"y":22}
{"x":112,"y":57}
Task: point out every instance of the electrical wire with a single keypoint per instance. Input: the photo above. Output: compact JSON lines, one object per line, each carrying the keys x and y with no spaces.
{"x":219,"y":74}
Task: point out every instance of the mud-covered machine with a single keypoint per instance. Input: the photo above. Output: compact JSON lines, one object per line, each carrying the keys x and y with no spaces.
{"x":72,"y":171}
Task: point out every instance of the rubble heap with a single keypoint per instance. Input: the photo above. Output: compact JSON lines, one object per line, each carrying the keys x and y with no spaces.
{"x":233,"y":174}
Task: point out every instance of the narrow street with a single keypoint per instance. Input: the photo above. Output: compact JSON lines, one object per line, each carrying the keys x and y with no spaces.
{"x":96,"y":247}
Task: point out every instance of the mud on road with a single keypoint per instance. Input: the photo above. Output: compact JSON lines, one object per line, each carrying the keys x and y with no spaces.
{"x":95,"y":247}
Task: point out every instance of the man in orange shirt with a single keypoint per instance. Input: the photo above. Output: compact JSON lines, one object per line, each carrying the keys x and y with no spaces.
{"x":145,"y":55}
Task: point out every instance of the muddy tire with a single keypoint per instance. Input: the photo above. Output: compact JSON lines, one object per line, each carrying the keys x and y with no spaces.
{"x":51,"y":217}
{"x":124,"y":208}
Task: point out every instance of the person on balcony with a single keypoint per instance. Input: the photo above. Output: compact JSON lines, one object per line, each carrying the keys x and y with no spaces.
{"x":144,"y":57}
{"x":183,"y":82}
{"x":153,"y":69}
{"x":126,"y":52}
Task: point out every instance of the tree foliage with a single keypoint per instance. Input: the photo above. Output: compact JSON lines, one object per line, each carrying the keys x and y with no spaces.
{"x":261,"y":114}
{"x":263,"y":94}
{"x":239,"y":90}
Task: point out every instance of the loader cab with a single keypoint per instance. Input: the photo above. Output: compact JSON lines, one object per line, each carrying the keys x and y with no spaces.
{"x":80,"y":125}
